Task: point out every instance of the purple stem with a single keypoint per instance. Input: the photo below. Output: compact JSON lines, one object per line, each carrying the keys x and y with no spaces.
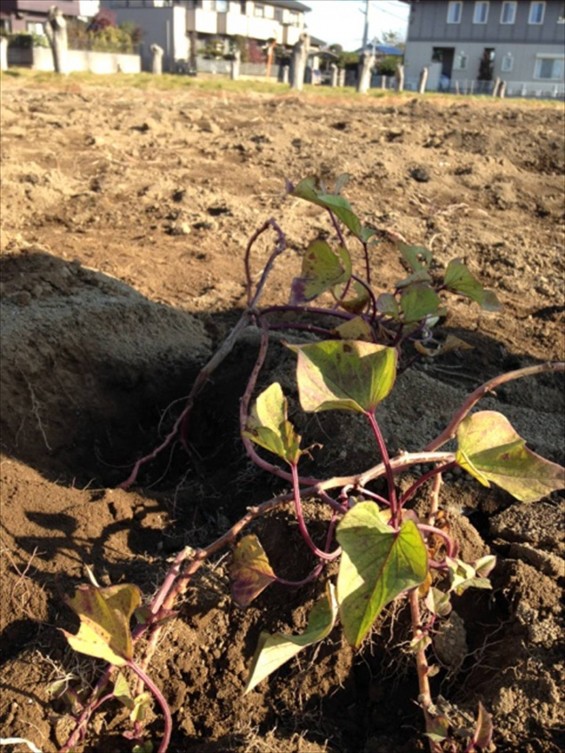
{"x":161,"y":700}
{"x":308,"y":579}
{"x":304,"y":327}
{"x":371,"y":295}
{"x":169,"y":582}
{"x":451,"y":547}
{"x":252,"y":298}
{"x":342,"y":243}
{"x":367,"y":264}
{"x":409,"y":493}
{"x":244,"y":409}
{"x":284,"y":308}
{"x":376,"y":497}
{"x":300,"y":518}
{"x":450,"y":431}
{"x":331,"y":530}
{"x":88,"y":710}
{"x":337,"y":228}
{"x":334,"y":504}
{"x":394,"y":506}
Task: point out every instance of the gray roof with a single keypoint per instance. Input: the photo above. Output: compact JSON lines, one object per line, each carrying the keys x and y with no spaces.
{"x":383,"y":49}
{"x":290,"y":4}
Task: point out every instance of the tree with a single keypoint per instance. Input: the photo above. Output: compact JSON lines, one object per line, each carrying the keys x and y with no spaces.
{"x":391,"y":38}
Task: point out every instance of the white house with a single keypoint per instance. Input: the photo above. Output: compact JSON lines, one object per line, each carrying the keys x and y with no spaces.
{"x":215,"y":24}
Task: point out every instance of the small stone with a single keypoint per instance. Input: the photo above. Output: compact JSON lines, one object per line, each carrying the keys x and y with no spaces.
{"x":420,"y":174}
{"x":179,"y":228}
{"x":208,"y":126}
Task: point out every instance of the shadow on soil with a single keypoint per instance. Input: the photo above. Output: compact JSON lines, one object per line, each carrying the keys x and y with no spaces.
{"x":93,"y":375}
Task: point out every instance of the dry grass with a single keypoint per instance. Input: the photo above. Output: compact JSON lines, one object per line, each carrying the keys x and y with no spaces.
{"x":209,"y":83}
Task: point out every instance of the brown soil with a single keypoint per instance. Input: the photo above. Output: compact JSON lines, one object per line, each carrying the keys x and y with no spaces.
{"x":124,"y":218}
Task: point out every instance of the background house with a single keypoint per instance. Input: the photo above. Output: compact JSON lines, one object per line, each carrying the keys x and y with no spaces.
{"x":30,"y":15}
{"x":468,"y":44}
{"x":23,"y":21}
{"x":184,"y":28}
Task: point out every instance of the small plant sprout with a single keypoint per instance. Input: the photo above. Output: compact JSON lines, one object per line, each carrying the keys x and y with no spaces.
{"x":385,"y":552}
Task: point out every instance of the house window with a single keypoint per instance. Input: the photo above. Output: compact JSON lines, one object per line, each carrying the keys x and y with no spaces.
{"x":460,"y":61}
{"x":221,"y":6}
{"x":549,"y":68}
{"x":294,"y":18}
{"x":480,"y":16}
{"x":508,"y":13}
{"x":259,"y":11}
{"x":454,"y":12}
{"x":537,"y":12}
{"x":507,"y":63}
{"x":35,"y":27}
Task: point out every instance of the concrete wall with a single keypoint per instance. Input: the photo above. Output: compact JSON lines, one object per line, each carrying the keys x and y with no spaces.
{"x":41,"y":59}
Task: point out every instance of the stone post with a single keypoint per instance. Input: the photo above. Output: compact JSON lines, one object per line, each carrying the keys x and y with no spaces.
{"x":366,"y":63}
{"x":3,"y":54}
{"x":157,"y":59}
{"x":299,"y":58}
{"x":399,"y":78}
{"x":496,"y":87}
{"x":56,"y":33}
{"x":333,"y":75}
{"x":423,"y":79}
{"x":502,"y":89}
{"x":341,"y":78}
{"x":235,"y":66}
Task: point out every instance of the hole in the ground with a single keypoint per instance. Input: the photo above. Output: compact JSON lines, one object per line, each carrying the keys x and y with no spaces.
{"x":88,"y":367}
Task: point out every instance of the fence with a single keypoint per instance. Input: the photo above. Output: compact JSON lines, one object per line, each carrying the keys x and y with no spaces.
{"x":223,"y":67}
{"x":41,"y":59}
{"x":521,"y":89}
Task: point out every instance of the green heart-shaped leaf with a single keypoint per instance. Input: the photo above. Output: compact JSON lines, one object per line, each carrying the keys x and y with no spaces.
{"x":250,"y":572}
{"x":321,"y":270}
{"x":419,"y":301}
{"x":308,"y":190}
{"x":458,"y":279}
{"x":491,"y":450}
{"x":344,"y":375}
{"x":274,"y":650}
{"x":417,"y":258}
{"x":377,"y":564}
{"x":104,"y":615}
{"x":269,"y":427}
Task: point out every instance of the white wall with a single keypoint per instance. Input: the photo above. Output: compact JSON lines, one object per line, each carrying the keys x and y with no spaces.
{"x":41,"y":59}
{"x":88,"y":7}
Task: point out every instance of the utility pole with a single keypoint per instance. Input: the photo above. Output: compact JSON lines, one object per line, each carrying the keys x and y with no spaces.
{"x":366,"y":24}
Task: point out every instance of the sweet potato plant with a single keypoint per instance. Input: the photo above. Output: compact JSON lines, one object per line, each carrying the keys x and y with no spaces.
{"x":355,"y":341}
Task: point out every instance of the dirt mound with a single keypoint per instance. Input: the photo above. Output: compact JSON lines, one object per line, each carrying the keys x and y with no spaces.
{"x":87,"y":362}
